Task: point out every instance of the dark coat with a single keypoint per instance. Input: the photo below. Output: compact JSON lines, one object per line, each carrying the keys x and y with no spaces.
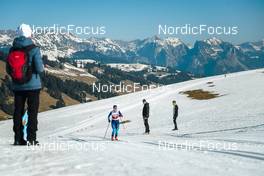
{"x":175,"y":111}
{"x":145,"y":111}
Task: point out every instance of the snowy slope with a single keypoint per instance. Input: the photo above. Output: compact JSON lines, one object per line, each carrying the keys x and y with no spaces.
{"x":223,"y":136}
{"x":69,"y":70}
{"x":129,"y":67}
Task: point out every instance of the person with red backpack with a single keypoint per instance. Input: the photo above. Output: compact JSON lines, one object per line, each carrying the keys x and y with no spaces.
{"x":24,"y":65}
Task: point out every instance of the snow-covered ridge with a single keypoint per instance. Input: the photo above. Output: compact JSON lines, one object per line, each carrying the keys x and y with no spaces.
{"x":213,"y":41}
{"x":5,"y":38}
{"x":171,"y":41}
{"x":153,"y":50}
{"x":66,"y":44}
{"x":130,"y":67}
{"x":69,"y":70}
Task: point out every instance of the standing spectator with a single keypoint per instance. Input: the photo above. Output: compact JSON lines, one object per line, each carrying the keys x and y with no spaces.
{"x":24,"y":65}
{"x":145,"y":114}
{"x":175,"y":114}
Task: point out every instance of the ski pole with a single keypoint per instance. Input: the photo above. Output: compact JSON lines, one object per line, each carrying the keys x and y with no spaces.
{"x":106,"y":129}
{"x":122,"y":123}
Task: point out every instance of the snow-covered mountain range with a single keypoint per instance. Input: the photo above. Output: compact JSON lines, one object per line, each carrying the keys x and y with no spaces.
{"x":208,"y":57}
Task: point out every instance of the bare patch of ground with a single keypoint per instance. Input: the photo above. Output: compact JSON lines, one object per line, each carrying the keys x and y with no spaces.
{"x":200,"y":94}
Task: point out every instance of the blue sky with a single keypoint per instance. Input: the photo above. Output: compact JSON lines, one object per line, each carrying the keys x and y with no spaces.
{"x":137,"y":19}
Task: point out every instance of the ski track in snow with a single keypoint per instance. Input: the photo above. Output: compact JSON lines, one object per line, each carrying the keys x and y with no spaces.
{"x":241,"y":123}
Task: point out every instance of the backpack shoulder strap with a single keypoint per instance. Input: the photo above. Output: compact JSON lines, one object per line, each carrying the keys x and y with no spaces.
{"x":11,"y":49}
{"x":26,"y":48}
{"x":29,"y":47}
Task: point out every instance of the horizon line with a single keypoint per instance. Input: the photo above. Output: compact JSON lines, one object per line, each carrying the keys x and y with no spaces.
{"x":126,"y":40}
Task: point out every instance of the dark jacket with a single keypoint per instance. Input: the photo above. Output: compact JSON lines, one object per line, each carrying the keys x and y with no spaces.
{"x":36,"y":59}
{"x":175,"y":111}
{"x":145,"y":111}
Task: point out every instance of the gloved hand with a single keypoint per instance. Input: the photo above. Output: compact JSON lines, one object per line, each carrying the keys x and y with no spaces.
{"x":109,"y":120}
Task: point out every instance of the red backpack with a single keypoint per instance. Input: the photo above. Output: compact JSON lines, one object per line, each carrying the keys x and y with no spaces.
{"x":18,"y":64}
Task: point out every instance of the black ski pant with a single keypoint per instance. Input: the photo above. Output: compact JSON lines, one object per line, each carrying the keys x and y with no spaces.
{"x":146,"y":124}
{"x":175,"y":123}
{"x":32,"y":98}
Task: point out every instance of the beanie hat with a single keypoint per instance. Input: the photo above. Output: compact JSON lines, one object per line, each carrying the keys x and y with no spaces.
{"x":24,"y":30}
